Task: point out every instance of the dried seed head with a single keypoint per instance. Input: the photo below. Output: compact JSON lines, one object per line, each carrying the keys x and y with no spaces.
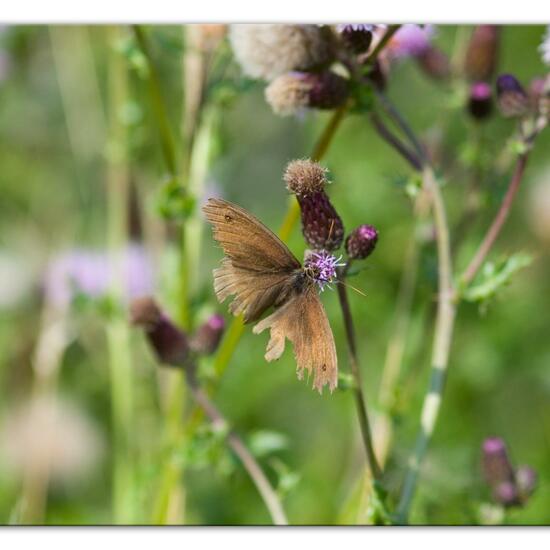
{"x":267,"y":51}
{"x":206,"y":339}
{"x":480,"y":102}
{"x":482,"y":52}
{"x":361,"y":242}
{"x":304,"y":177}
{"x":170,"y":344}
{"x":513,"y":100}
{"x":291,"y":92}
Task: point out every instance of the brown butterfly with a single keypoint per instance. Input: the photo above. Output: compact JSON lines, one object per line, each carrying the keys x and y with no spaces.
{"x":260,"y":271}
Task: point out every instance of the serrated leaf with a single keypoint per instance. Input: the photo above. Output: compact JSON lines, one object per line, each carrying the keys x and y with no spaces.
{"x":494,"y":276}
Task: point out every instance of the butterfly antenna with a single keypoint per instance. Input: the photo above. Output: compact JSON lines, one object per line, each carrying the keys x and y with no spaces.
{"x":352,"y":288}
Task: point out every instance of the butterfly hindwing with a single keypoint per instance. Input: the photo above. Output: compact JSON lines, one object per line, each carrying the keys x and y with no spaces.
{"x":302,"y":319}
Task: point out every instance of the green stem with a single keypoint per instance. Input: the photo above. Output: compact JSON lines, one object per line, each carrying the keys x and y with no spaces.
{"x":446,"y":312}
{"x":392,"y":29}
{"x":360,"y":399}
{"x":117,"y":328}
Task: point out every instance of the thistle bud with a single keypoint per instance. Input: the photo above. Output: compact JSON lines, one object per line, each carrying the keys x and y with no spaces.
{"x":506,"y":493}
{"x":539,"y":93}
{"x":434,"y":63}
{"x":482,"y":52}
{"x":480,"y":102}
{"x":361,"y":242}
{"x":206,"y":339}
{"x":513,"y":101}
{"x":356,"y":38}
{"x":526,"y":481}
{"x":497,"y":467}
{"x":289,"y":93}
{"x":321,"y":224}
{"x":169,"y":343}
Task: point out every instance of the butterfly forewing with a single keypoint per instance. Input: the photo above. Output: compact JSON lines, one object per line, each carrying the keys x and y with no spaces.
{"x":258,"y":266}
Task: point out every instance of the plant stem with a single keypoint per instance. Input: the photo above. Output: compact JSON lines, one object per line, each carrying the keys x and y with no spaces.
{"x":441,"y":346}
{"x":402,"y":123}
{"x":396,"y":346}
{"x":360,"y":399}
{"x":254,"y":470}
{"x":392,"y":29}
{"x":117,"y":328}
{"x":236,"y":328}
{"x":495,"y":228}
{"x":385,"y":133}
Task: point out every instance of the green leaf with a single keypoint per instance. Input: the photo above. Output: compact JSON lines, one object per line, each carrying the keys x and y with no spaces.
{"x":265,"y":442}
{"x":173,"y":203}
{"x":494,"y":276}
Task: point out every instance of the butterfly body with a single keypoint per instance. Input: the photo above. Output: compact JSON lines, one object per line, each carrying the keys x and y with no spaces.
{"x":260,"y":272}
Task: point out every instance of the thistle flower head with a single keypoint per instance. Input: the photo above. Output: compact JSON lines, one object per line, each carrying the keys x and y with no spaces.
{"x":321,"y":267}
{"x":291,"y":92}
{"x":356,"y":37}
{"x":321,"y":225}
{"x":361,"y":242}
{"x":434,"y":63}
{"x":513,"y":100}
{"x":169,"y":343}
{"x":482,"y":53}
{"x":267,"y":51}
{"x":480,"y":102}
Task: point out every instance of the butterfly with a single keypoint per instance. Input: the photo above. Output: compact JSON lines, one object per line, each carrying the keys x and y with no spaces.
{"x":260,"y":272}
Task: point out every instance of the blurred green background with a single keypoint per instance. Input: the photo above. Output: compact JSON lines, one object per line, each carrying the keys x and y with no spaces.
{"x":55,"y":157}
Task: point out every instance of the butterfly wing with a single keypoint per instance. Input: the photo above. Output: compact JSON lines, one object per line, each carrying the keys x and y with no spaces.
{"x":302,"y":319}
{"x":258,"y":265}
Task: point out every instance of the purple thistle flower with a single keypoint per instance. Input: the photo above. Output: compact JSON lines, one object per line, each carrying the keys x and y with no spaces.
{"x":411,"y":40}
{"x":321,"y":267}
{"x":88,"y":272}
{"x":513,"y":100}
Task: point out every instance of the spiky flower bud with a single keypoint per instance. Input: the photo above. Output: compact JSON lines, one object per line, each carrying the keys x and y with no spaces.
{"x":206,"y":339}
{"x":513,"y":100}
{"x":480,"y":102}
{"x":526,"y":481}
{"x":321,"y":225}
{"x":497,"y":467}
{"x":291,"y":92}
{"x":169,"y":343}
{"x":434,"y":63}
{"x":361,"y":242}
{"x":267,"y":51}
{"x":357,"y":38}
{"x":482,"y":53}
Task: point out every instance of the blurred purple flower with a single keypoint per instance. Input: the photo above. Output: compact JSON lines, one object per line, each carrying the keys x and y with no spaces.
{"x":510,"y":486}
{"x":81,"y":271}
{"x":411,"y":41}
